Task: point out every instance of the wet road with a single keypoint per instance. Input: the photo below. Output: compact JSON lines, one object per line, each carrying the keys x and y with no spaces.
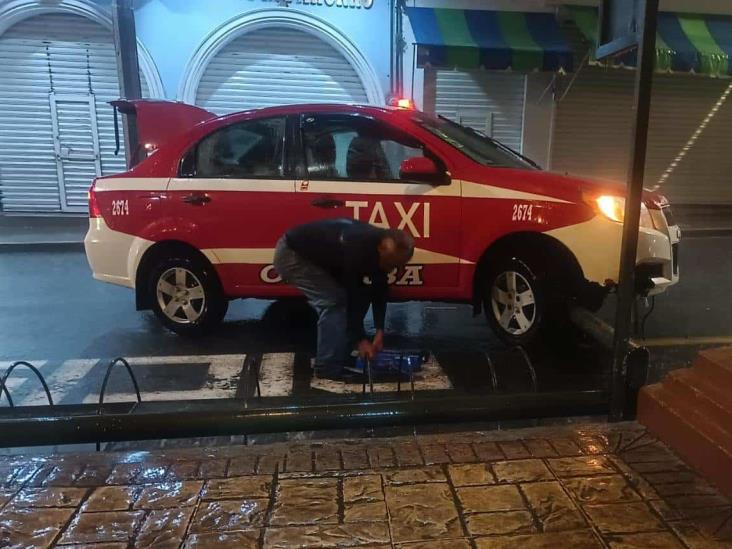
{"x":53,"y":313}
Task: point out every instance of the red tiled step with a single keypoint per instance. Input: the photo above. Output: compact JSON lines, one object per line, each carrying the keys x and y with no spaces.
{"x":703,"y":443}
{"x":716,"y":364}
{"x":699,"y":393}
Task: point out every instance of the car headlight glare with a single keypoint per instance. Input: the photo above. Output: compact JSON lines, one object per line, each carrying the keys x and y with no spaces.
{"x":613,"y":207}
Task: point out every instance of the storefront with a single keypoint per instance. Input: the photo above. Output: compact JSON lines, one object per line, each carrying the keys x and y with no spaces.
{"x":59,"y":72}
{"x":56,"y":130}
{"x":308,"y":52}
{"x":528,"y":79}
{"x":691,"y":115}
{"x":473,"y":65}
{"x":506,"y":68}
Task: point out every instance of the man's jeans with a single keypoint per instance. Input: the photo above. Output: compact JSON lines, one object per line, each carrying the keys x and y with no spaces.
{"x":326,"y":296}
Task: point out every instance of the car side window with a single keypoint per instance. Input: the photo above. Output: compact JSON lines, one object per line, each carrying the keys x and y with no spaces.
{"x":355,"y":148}
{"x":251,"y":149}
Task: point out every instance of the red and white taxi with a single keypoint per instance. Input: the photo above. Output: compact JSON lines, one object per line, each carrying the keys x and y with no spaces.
{"x":195,"y":223}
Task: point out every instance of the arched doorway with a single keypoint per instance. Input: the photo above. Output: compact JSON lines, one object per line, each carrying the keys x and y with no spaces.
{"x":58,"y":73}
{"x":274,"y":66}
{"x":277,"y":56}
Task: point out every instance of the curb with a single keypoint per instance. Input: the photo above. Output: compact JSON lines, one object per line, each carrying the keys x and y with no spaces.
{"x":20,"y":247}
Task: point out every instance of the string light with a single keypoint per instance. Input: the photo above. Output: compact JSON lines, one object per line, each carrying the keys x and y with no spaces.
{"x":694,"y":137}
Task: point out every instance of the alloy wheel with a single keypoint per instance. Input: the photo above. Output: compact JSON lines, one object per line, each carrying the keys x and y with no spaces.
{"x":180,"y":295}
{"x":513,"y":303}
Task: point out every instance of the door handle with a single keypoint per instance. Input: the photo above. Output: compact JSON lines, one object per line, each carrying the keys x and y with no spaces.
{"x":151,"y":195}
{"x":197,"y":199}
{"x":328,"y":203}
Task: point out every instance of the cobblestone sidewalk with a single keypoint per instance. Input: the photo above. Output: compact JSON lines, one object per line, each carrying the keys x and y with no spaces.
{"x":587,"y":486}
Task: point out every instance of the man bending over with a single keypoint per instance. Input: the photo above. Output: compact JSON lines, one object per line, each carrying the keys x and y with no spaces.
{"x":341,"y":266}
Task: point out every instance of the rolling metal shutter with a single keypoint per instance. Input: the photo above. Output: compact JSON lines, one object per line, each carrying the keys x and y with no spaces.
{"x":594,"y":121}
{"x":276,"y":66}
{"x":592,"y":124}
{"x":492,"y":102}
{"x":72,"y":59}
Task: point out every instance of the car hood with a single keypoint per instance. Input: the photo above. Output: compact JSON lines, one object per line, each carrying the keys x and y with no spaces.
{"x":561,"y":186}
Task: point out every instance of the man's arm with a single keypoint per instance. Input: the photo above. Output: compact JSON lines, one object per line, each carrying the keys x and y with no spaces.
{"x":360,"y":296}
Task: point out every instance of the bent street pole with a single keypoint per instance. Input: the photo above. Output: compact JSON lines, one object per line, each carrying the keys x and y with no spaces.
{"x":128,"y":72}
{"x":628,"y":252}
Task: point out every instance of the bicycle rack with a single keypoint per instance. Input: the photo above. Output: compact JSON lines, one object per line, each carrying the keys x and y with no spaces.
{"x":411,"y":375}
{"x":7,"y":393}
{"x":112,"y":364}
{"x":97,"y":422}
{"x":103,"y":392}
{"x":369,"y":377}
{"x":4,"y":379}
{"x":250,"y":369}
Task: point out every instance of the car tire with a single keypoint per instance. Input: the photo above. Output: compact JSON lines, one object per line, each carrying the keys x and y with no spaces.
{"x":514,"y":301}
{"x":186,"y":295}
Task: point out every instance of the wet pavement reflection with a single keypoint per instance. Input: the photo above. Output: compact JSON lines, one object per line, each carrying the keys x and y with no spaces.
{"x":46,"y":290}
{"x":581,"y":486}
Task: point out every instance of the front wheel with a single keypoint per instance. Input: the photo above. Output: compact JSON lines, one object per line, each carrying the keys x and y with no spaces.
{"x":186,"y":295}
{"x":515,"y":302}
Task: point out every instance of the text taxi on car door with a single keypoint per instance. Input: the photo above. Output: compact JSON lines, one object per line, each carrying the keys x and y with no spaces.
{"x":195,"y":223}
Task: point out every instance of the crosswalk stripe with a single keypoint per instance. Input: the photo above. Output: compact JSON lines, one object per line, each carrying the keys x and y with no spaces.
{"x":222,"y":379}
{"x":22,"y":382}
{"x":276,"y":374}
{"x":80,"y":380}
{"x":61,"y":380}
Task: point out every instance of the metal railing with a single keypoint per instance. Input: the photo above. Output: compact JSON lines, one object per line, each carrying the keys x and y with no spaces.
{"x":251,"y":413}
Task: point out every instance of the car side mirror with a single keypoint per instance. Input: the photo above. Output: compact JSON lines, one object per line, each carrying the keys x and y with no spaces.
{"x":423,"y":169}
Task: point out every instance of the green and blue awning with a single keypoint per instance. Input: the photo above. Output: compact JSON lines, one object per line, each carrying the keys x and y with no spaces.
{"x":684,"y":42}
{"x":499,"y":40}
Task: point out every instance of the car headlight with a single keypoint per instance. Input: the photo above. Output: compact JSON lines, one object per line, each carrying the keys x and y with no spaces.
{"x":613,"y":207}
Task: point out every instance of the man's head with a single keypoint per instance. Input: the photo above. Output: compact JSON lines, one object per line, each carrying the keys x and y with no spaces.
{"x":395,"y":249}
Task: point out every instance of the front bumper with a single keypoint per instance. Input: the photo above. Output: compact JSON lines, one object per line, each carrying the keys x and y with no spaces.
{"x":658,"y":255}
{"x":596,"y":245}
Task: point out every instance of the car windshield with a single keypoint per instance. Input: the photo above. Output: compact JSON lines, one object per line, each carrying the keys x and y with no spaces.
{"x":474,"y":144}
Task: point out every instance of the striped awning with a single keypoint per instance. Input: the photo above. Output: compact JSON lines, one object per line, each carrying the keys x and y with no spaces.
{"x":471,"y":39}
{"x":685,"y":42}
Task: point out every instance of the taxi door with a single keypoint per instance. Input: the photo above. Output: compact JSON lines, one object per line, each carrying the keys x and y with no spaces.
{"x":355,"y":166}
{"x":231,"y":200}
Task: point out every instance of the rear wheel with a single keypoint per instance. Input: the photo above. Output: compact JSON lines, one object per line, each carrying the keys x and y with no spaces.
{"x":186,"y":295}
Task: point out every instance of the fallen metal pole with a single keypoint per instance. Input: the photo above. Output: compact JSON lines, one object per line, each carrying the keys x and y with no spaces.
{"x":596,"y":328}
{"x":28,"y":426}
{"x":636,"y":361}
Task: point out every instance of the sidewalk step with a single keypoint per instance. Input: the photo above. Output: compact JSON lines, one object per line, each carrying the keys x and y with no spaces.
{"x":703,"y":443}
{"x":689,"y":410}
{"x":692,"y":389}
{"x":716,"y":364}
